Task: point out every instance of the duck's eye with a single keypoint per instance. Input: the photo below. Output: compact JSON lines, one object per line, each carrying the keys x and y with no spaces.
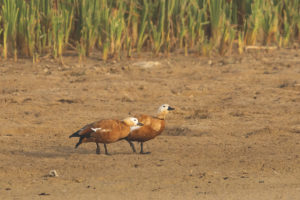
{"x":164,"y":106}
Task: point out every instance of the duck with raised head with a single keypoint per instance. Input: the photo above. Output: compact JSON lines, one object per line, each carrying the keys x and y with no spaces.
{"x":153,"y":126}
{"x":105,"y":131}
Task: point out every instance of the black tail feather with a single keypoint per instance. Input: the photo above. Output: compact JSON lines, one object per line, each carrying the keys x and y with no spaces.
{"x":76,"y":134}
{"x":78,"y":143}
{"x":81,"y":137}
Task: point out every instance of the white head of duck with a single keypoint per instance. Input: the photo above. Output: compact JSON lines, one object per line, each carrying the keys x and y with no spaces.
{"x":132,"y":121}
{"x":163,"y":110}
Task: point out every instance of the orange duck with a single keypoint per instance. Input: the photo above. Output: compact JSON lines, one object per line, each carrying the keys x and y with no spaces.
{"x":153,"y":126}
{"x":105,"y":131}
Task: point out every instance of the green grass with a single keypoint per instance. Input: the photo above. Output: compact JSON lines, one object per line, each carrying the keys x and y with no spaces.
{"x":112,"y":29}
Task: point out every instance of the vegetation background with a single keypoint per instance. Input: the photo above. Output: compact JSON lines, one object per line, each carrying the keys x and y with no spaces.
{"x":34,"y":28}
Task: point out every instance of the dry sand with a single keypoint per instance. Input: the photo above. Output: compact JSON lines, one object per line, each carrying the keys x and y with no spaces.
{"x":235,"y":132}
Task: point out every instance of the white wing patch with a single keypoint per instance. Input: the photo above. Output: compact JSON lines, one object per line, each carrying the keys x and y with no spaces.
{"x":132,"y":128}
{"x":96,"y":129}
{"x":100,"y":129}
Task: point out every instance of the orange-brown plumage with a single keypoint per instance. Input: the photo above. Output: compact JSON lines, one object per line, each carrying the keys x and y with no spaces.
{"x":105,"y":131}
{"x":152,"y":127}
{"x":111,"y":131}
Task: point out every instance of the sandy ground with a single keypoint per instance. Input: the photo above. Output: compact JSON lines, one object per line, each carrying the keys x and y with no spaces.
{"x":235,"y":132}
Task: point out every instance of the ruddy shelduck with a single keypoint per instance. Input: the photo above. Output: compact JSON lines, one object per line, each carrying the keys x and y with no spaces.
{"x":153,"y":126}
{"x":105,"y":131}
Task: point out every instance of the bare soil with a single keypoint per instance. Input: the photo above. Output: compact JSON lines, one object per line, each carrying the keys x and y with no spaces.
{"x":235,"y":132}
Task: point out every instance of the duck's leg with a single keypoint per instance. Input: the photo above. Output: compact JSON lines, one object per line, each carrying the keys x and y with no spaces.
{"x":98,"y":148}
{"x":142,"y":151}
{"x":106,"y":152}
{"x":131,"y":145}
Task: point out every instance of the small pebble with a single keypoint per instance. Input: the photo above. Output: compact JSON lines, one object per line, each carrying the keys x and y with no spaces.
{"x":53,"y":173}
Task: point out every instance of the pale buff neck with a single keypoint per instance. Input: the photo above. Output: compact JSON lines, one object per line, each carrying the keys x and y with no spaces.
{"x":162,"y":115}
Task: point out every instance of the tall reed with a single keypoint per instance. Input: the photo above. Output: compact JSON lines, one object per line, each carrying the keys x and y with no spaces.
{"x":115,"y":28}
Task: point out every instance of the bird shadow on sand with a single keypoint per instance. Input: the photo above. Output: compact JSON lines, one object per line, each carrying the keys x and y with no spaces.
{"x":65,"y":152}
{"x":53,"y":152}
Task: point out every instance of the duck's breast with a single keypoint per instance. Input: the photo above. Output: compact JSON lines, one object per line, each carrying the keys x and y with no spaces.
{"x":151,"y":128}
